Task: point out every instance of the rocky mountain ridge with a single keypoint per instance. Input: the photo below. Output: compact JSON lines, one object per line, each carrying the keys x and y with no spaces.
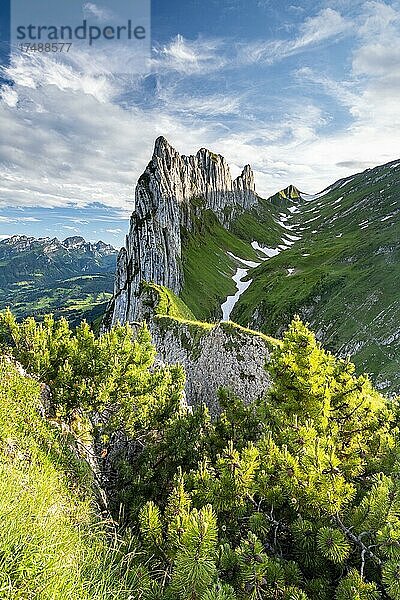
{"x":214,"y":355}
{"x":331,"y":257}
{"x":23,"y":243}
{"x":171,"y":195}
{"x":72,"y":278}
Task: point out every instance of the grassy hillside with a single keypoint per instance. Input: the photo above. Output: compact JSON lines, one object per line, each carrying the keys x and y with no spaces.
{"x":171,"y":311}
{"x":338,"y":267}
{"x":210,"y":256}
{"x":76,"y":298}
{"x":52,"y":546}
{"x":343,"y":275}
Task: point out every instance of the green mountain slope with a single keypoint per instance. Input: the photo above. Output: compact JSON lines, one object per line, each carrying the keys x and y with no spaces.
{"x":333,"y":258}
{"x":73,"y":278}
{"x":342,"y":275}
{"x":52,"y":544}
{"x":212,"y":255}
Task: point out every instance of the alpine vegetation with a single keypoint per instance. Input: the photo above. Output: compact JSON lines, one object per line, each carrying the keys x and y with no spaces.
{"x":181,"y":455}
{"x":293,"y":495}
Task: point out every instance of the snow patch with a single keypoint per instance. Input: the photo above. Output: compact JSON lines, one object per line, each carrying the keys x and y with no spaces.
{"x":270,"y":252}
{"x":313,"y":219}
{"x":309,"y":197}
{"x":346,"y":181}
{"x":248,"y":263}
{"x":292,"y":237}
{"x":242,"y":286}
{"x":241,"y":274}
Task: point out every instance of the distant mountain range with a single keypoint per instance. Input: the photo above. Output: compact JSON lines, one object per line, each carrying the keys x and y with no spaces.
{"x":72,"y":277}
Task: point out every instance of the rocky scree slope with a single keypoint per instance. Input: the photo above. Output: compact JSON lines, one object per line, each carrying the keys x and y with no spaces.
{"x":214,"y":355}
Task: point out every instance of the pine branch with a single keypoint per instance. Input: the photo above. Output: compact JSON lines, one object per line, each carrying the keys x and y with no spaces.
{"x":277,"y":525}
{"x":365,"y":550}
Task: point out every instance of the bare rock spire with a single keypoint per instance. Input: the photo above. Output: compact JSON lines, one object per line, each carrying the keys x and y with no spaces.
{"x":170,"y":194}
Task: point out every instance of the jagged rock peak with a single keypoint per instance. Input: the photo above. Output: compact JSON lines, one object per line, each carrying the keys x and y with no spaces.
{"x":73,"y":241}
{"x":163,"y":147}
{"x":170,"y":196}
{"x":245,"y":185}
{"x":290,"y":193}
{"x":23,"y":243}
{"x":206,"y":175}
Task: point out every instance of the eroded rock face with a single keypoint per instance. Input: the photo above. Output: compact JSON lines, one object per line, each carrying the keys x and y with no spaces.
{"x":170,"y":194}
{"x":225,"y":356}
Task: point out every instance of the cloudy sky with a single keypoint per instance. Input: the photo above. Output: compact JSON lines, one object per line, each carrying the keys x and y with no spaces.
{"x":306,"y":92}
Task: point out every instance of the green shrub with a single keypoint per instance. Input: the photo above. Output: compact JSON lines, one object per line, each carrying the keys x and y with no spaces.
{"x":52,"y":544}
{"x":292,"y":497}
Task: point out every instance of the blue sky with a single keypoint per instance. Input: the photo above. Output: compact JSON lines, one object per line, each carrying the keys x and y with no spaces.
{"x":306,"y":92}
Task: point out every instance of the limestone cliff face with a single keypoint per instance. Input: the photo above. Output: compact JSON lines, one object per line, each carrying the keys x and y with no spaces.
{"x":214,"y":355}
{"x":224,"y":356}
{"x":170,"y":194}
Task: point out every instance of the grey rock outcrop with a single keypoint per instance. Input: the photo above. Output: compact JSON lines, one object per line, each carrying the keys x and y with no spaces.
{"x":172,"y":192}
{"x":224,"y":356}
{"x":214,"y":355}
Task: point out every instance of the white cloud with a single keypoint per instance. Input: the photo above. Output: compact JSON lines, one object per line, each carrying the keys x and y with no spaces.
{"x":72,"y":147}
{"x":189,"y":57}
{"x":77,"y":221}
{"x":378,"y":17}
{"x":296,"y":9}
{"x":72,"y":144}
{"x":379,"y":53}
{"x":9,"y":96}
{"x":19,"y":220}
{"x":372,"y":89}
{"x":37,"y":71}
{"x":99,"y":12}
{"x":207,"y":105}
{"x":327,"y":25}
{"x":378,"y":58}
{"x":369,"y":94}
{"x":68,"y":142}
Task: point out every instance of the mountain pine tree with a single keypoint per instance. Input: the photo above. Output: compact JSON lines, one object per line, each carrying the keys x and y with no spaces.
{"x":305,"y":499}
{"x":294,"y":496}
